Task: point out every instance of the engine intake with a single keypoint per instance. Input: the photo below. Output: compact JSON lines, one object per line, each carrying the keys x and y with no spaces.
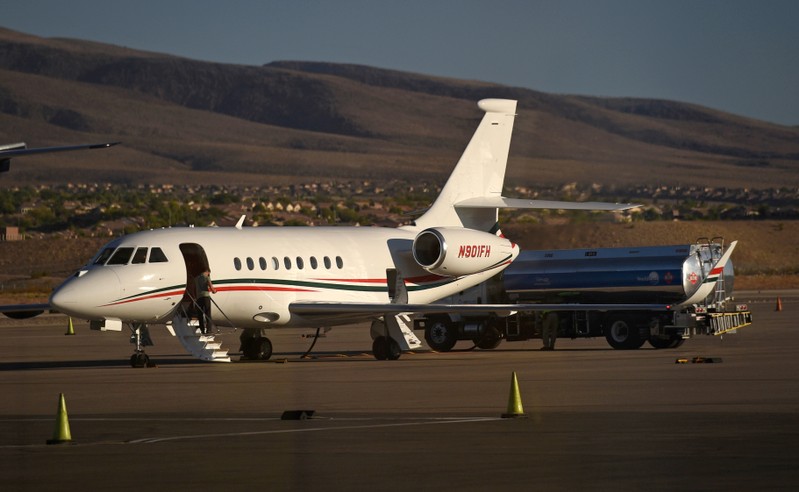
{"x":454,"y":252}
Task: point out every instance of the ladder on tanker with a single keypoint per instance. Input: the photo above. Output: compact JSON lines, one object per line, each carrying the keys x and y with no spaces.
{"x":721,"y":323}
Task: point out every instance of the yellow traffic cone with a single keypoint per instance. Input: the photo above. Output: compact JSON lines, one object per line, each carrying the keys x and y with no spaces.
{"x":515,"y":409}
{"x":70,"y":329}
{"x":62,"y":435}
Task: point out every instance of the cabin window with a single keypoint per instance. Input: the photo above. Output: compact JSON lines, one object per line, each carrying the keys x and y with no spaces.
{"x":104,"y":256}
{"x":140,"y":256}
{"x":339,"y":262}
{"x":275,"y":263}
{"x":300,"y":263}
{"x":327,"y":262}
{"x":157,"y":256}
{"x":121,"y":256}
{"x":314,"y":263}
{"x":287,"y":262}
{"x":250,"y":263}
{"x":237,"y":263}
{"x":262,"y":263}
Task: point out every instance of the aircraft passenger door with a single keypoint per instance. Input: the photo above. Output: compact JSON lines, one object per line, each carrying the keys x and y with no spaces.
{"x":196,"y":262}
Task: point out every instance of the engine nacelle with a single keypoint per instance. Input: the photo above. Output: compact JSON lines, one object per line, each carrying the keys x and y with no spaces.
{"x":455,"y":251}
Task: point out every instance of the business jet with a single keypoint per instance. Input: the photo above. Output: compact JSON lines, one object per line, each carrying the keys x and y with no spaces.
{"x":301,"y":277}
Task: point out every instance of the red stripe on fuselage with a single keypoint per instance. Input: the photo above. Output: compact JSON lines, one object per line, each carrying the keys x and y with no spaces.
{"x":258,"y":288}
{"x":154,"y":296}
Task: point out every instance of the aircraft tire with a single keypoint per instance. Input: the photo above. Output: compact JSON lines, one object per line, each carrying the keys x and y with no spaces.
{"x":257,"y":348}
{"x":139,"y":359}
{"x":386,"y":348}
{"x":380,"y":348}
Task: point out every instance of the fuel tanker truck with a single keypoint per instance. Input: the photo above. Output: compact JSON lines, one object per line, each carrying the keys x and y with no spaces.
{"x":630,"y":296}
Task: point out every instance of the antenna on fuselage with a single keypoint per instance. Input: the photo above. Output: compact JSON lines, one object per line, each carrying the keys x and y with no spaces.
{"x":240,"y":222}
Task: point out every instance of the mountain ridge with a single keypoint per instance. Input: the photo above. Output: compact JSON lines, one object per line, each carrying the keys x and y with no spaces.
{"x":186,"y":120}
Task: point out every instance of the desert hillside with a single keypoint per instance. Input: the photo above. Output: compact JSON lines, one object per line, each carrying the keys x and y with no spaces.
{"x":189,"y":121}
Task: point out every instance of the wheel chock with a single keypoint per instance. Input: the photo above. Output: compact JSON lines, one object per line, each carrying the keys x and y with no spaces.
{"x":681,"y":361}
{"x":706,"y":360}
{"x":297,"y":414}
{"x":62,"y":435}
{"x":515,"y":409}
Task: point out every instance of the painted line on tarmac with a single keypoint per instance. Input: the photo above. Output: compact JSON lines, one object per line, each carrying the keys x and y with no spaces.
{"x":153,"y":440}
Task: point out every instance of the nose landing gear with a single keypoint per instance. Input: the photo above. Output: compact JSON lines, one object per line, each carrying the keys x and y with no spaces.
{"x":140,"y":335}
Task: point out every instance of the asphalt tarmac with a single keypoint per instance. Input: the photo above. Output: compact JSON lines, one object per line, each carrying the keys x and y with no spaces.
{"x":597,"y":418}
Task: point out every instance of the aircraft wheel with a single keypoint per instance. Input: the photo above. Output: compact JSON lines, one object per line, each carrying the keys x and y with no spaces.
{"x":440,"y":334}
{"x":139,"y":359}
{"x":394,"y":350}
{"x":257,"y":348}
{"x":386,"y":348}
{"x":380,"y":348}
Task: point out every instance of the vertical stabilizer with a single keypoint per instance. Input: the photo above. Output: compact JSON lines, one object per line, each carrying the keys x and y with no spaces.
{"x":480,"y":172}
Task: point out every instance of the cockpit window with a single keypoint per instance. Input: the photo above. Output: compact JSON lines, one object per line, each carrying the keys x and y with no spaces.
{"x":121,"y":256}
{"x":140,"y":256}
{"x":157,"y":256}
{"x":104,"y":256}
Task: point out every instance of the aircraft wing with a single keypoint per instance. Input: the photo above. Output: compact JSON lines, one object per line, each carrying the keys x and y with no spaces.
{"x":353,"y":310}
{"x":22,"y":311}
{"x":19,"y":149}
{"x":503,"y":202}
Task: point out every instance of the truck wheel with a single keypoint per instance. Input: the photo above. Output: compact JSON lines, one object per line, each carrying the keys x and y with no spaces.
{"x":488,"y":340}
{"x":440,"y":334}
{"x":622,"y":334}
{"x":666,"y":343}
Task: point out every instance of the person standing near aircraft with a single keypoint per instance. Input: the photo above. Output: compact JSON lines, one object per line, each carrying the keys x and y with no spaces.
{"x":204,"y":288}
{"x":549,"y":330}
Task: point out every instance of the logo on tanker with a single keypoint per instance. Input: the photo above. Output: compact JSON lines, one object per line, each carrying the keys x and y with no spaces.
{"x":693,"y":278}
{"x":474,"y":251}
{"x":668,"y":277}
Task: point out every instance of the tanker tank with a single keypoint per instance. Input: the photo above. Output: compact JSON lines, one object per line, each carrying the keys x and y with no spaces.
{"x":654,"y":274}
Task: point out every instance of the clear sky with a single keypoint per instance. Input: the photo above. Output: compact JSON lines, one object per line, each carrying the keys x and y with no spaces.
{"x":735,"y":55}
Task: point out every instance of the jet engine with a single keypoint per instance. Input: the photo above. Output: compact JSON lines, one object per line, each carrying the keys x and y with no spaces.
{"x":453,"y":252}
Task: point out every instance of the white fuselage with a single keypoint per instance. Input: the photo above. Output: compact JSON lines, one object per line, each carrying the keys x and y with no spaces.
{"x":258,"y":273}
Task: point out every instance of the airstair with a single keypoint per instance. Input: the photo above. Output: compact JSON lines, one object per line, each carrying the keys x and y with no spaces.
{"x":203,"y":347}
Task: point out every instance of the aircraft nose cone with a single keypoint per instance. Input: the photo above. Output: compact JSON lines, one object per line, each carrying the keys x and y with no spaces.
{"x":82,"y":295}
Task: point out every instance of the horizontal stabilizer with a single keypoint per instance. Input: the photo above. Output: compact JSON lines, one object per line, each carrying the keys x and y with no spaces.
{"x":502,"y":202}
{"x":20,"y":149}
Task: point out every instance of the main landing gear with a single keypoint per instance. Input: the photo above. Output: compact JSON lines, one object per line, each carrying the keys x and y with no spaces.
{"x":386,"y":348}
{"x":140,"y":336}
{"x":254,"y":345}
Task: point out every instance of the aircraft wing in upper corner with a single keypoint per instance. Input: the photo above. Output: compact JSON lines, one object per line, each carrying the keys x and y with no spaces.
{"x":8,"y":151}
